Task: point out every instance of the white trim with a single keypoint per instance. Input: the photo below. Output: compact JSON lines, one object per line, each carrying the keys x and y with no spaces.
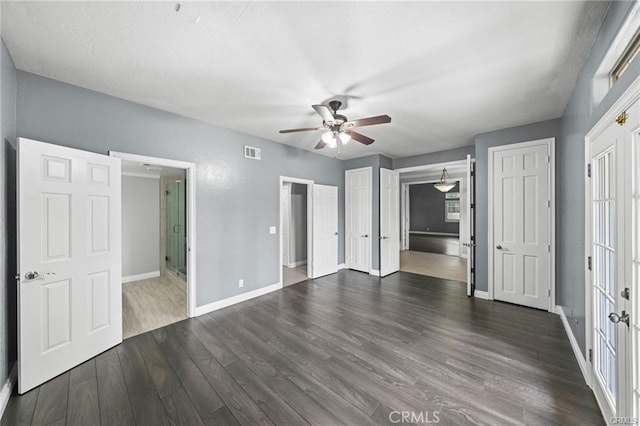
{"x":479,"y":294}
{"x":138,"y":277}
{"x":7,"y":388}
{"x":309,"y":260}
{"x":214,"y":306}
{"x":551,"y":151}
{"x":296,"y":264}
{"x":582,"y":363}
{"x":375,"y":272}
{"x":140,"y":175}
{"x":434,"y":166}
{"x":190,"y":169}
{"x":342,"y":266}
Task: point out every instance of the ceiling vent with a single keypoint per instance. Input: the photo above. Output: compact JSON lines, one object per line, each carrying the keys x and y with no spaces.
{"x":252,"y":152}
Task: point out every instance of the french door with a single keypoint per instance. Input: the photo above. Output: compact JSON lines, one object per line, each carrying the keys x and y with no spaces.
{"x":615,"y":266}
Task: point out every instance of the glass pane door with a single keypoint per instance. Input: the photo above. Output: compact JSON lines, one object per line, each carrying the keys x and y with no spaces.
{"x":604,"y":273}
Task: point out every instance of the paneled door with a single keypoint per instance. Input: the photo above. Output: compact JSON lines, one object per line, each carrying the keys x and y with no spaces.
{"x":521,"y":221}
{"x":358,"y":211}
{"x":325,"y":230}
{"x":470,"y":209}
{"x":389,"y":222}
{"x":69,"y":238}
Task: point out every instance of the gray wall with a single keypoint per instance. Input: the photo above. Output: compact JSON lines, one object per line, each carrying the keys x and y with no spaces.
{"x":376,"y":162}
{"x":528,"y":132}
{"x":435,"y":157}
{"x":8,"y":307}
{"x":570,"y":173}
{"x":237,"y":198}
{"x":140,"y":225}
{"x":427,"y":211}
{"x":298,"y":234}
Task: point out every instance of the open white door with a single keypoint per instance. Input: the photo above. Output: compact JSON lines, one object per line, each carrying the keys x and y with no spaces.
{"x":69,"y":239}
{"x":470,"y":226}
{"x":389,"y":222}
{"x":325,"y":230}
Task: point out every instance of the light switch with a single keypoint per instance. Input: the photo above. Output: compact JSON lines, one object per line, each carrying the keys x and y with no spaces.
{"x":272,"y":230}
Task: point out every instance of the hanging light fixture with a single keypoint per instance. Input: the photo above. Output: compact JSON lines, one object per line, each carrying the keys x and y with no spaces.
{"x":330,"y":138}
{"x":445,"y":184}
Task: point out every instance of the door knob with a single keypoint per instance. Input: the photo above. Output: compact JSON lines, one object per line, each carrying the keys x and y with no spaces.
{"x":365,"y":236}
{"x":623,"y":317}
{"x":336,"y":233}
{"x":499,"y":247}
{"x":382,"y":237}
{"x":34,"y":275}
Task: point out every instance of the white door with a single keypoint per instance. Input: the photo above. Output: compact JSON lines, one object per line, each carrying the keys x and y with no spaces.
{"x":69,"y":293}
{"x":325,"y":230}
{"x":389,"y":222}
{"x":358,"y":211}
{"x":470,"y":225}
{"x":521,"y":206}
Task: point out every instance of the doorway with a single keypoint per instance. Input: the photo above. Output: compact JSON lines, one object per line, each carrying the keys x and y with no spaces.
{"x":157,"y":237}
{"x":294,"y":232}
{"x":435,"y":225}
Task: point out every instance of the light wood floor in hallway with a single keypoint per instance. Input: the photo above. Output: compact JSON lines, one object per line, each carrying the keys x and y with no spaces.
{"x":434,"y":265}
{"x":153,"y":303}
{"x":294,"y":275}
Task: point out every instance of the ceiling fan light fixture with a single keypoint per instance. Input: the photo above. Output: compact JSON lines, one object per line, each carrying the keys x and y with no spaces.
{"x":444,"y":185}
{"x":330,"y":139}
{"x":344,"y":138}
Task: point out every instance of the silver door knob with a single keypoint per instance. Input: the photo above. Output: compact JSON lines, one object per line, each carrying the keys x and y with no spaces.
{"x":623,"y":317}
{"x":499,"y":247}
{"x":336,"y":233}
{"x":365,"y":236}
{"x":384,"y":238}
{"x":34,"y":275}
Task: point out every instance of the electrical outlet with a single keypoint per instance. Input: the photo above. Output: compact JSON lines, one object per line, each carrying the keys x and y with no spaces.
{"x":272,"y":230}
{"x":241,"y":283}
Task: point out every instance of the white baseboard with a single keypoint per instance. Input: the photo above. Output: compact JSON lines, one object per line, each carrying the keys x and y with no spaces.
{"x":296,"y":264}
{"x":139,"y":277}
{"x":375,"y":272}
{"x":481,"y":294}
{"x":342,"y":266}
{"x":214,"y":306}
{"x":7,"y":388}
{"x":582,"y":363}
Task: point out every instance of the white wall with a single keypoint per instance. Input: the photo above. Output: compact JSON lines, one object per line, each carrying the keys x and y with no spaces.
{"x":140,"y":225}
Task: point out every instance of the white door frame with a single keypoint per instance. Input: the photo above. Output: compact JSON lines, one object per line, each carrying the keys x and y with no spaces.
{"x":550,"y":142}
{"x":190,"y":169}
{"x":405,"y":214}
{"x":626,"y":100}
{"x":309,"y":184}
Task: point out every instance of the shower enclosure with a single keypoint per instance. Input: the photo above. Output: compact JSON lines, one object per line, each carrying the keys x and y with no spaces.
{"x":176,"y":232}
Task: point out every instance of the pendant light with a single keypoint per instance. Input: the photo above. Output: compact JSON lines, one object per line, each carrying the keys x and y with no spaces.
{"x":445,"y":184}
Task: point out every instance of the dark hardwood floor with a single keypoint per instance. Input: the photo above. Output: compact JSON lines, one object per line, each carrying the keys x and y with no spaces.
{"x":348,"y":348}
{"x":439,"y":244}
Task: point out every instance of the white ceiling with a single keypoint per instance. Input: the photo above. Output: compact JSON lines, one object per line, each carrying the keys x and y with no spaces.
{"x":444,"y":71}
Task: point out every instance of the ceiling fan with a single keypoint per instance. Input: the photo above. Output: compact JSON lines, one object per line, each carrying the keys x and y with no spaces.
{"x":339,"y":127}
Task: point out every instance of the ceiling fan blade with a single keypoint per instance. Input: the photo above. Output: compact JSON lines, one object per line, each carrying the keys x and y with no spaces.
{"x":320,"y":144}
{"x":360,"y":137}
{"x":304,"y":129}
{"x":324,"y":112}
{"x":380,"y":119}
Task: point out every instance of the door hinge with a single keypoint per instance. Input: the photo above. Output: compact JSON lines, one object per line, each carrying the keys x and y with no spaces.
{"x":549,"y":248}
{"x":590,"y":355}
{"x":625,"y":293}
{"x":549,"y":203}
{"x":588,"y":170}
{"x":622,"y":118}
{"x":548,"y":159}
{"x":549,"y":292}
{"x":589,"y":263}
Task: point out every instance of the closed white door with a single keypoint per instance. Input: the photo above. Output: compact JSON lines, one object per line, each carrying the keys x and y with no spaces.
{"x":389,"y":222}
{"x":325,"y":230}
{"x":521,"y":206}
{"x":69,"y":236}
{"x":470,"y":226}
{"x":358,"y":211}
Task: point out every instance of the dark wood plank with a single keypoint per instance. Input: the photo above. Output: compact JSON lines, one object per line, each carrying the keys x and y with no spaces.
{"x":180,"y":409}
{"x":52,"y":401}
{"x":112,"y":391}
{"x":222,"y":417}
{"x":149,"y":410}
{"x":440,"y":244}
{"x":133,"y":367}
{"x":83,"y":403}
{"x":20,"y":408}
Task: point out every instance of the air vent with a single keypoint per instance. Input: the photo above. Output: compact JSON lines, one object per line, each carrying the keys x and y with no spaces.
{"x":251,"y":152}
